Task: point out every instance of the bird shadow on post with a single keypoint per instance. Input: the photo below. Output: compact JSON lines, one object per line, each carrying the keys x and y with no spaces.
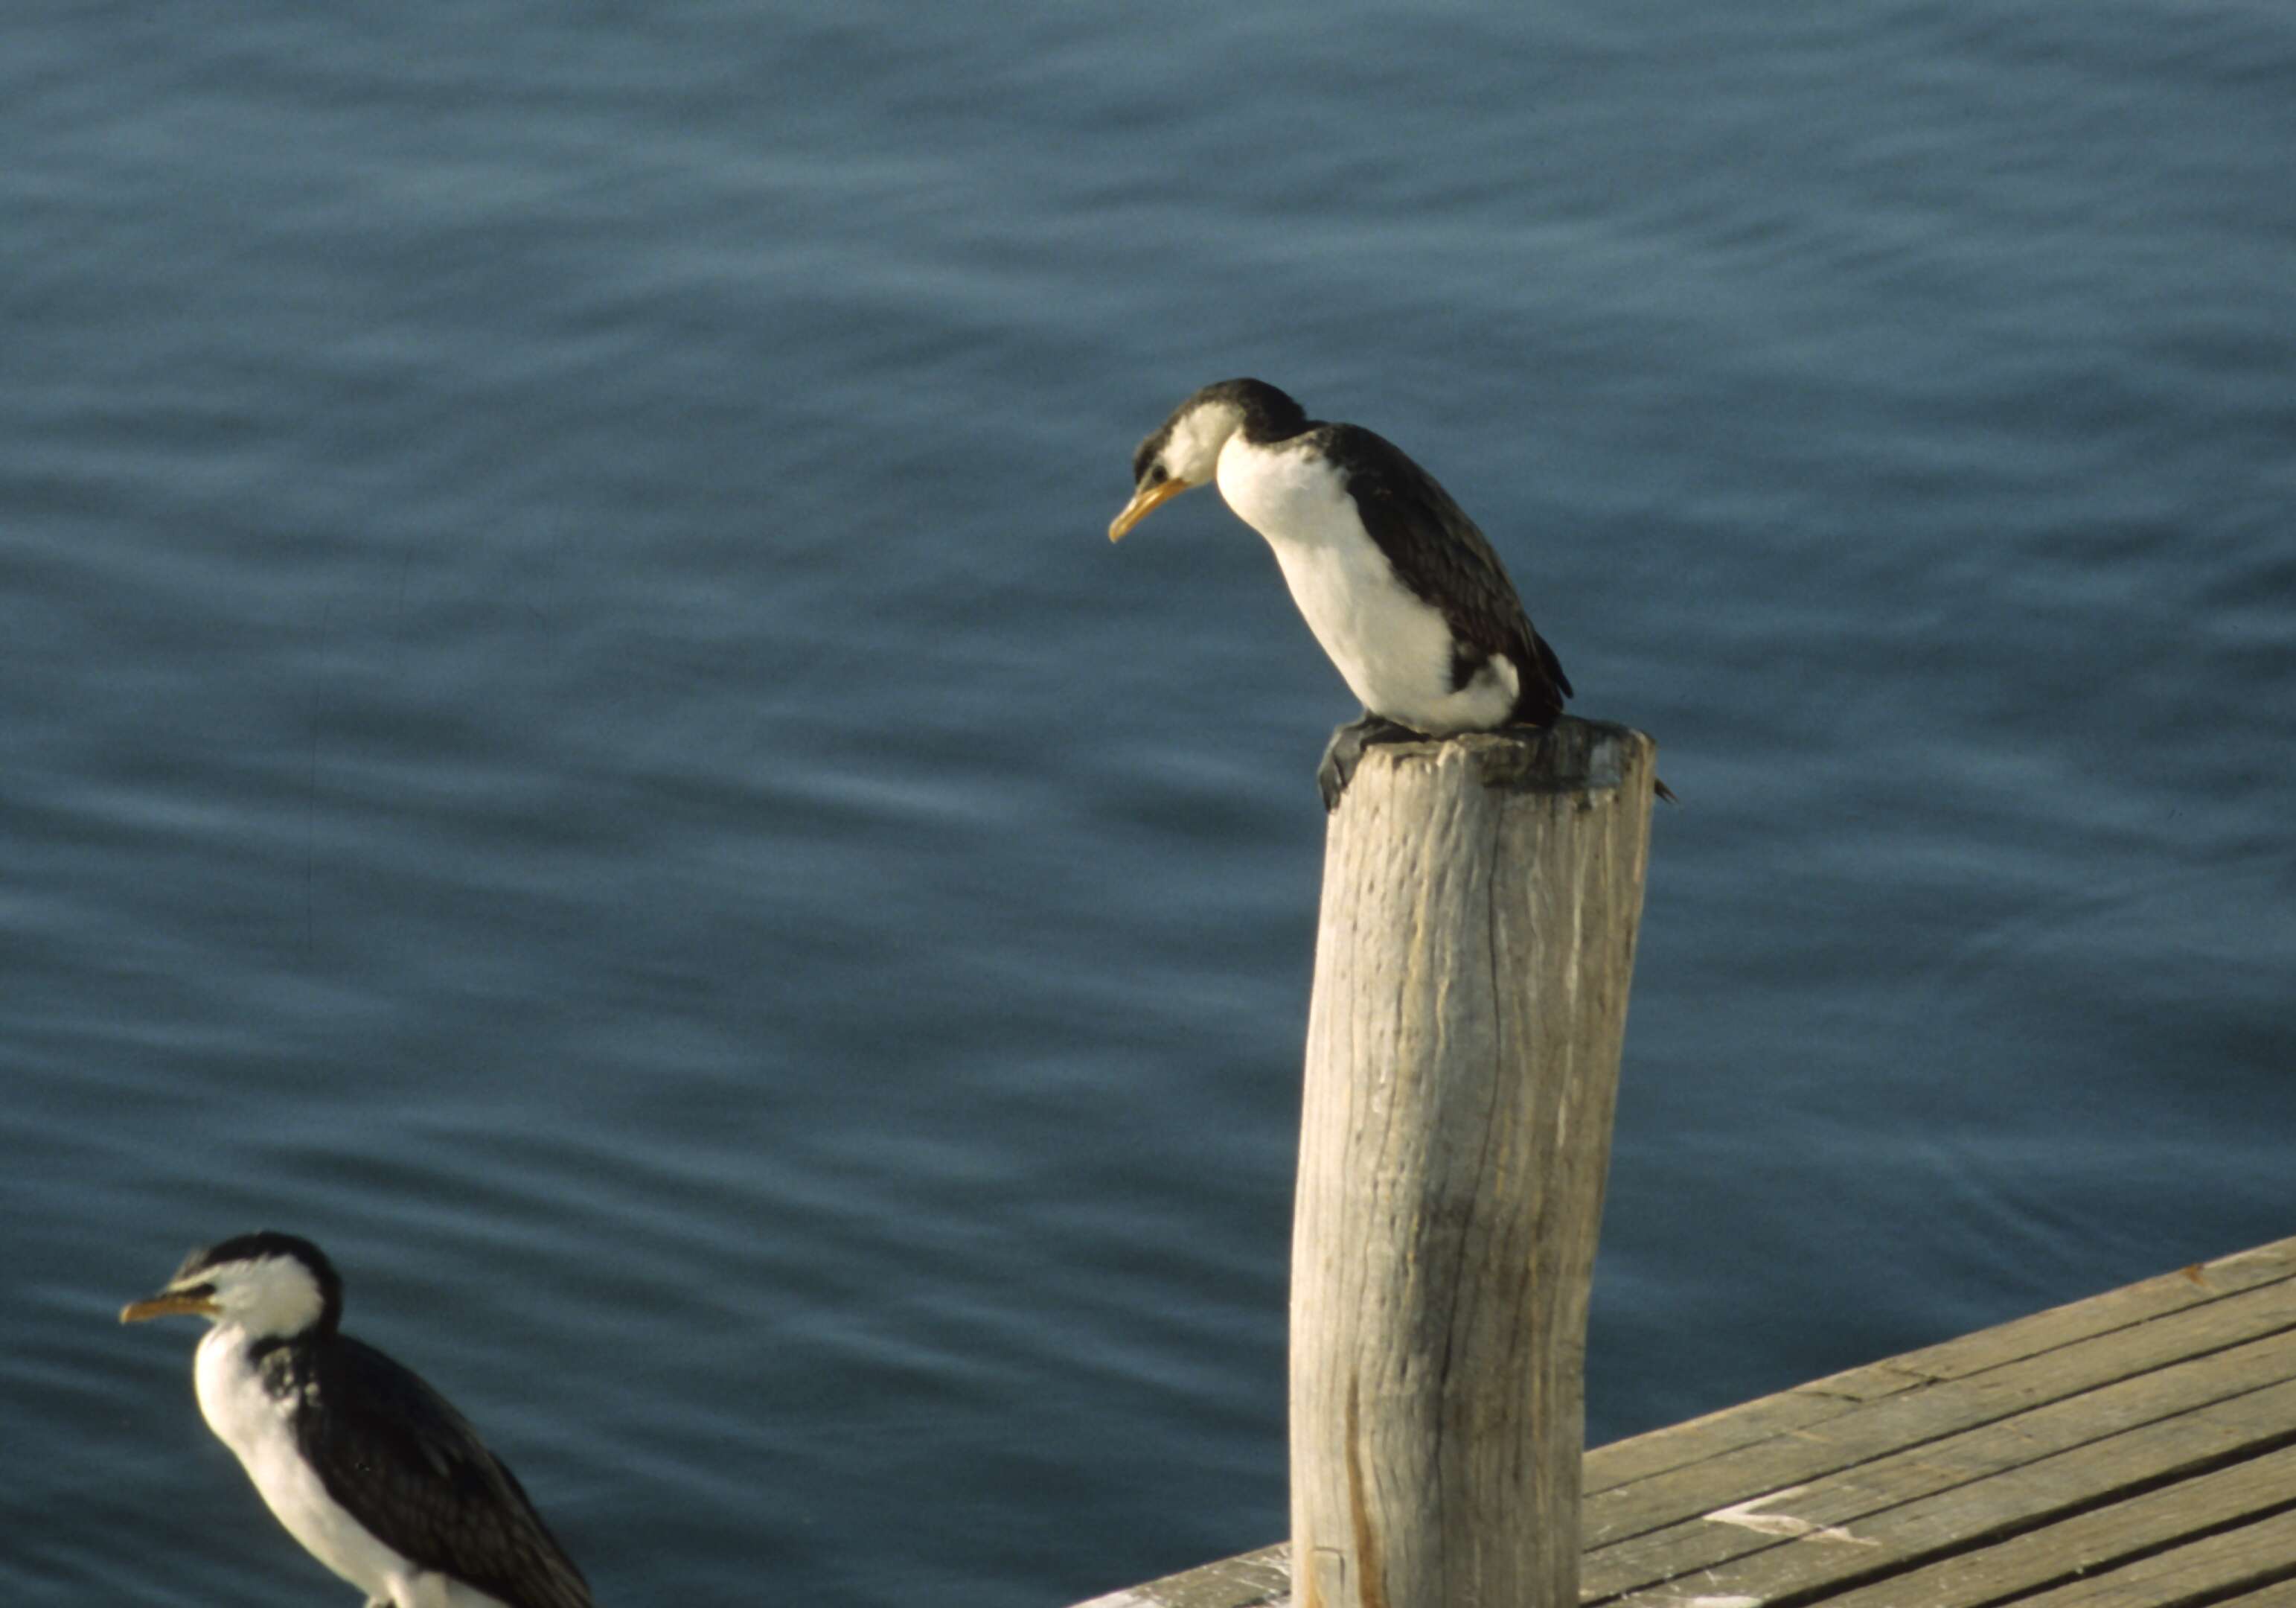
{"x":1473,"y":958}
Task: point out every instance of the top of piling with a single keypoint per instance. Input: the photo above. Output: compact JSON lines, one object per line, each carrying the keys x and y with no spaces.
{"x":1570,"y":756}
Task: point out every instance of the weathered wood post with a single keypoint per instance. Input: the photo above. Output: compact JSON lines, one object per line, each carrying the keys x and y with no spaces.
{"x":1481,"y":900}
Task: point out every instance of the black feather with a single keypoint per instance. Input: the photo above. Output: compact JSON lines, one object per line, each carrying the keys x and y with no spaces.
{"x":1447,"y":562}
{"x":404,"y":1463}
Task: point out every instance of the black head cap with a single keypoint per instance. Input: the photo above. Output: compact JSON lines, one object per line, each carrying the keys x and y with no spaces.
{"x":1268,"y":414}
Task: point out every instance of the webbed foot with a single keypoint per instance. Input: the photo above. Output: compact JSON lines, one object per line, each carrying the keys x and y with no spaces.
{"x":1345,"y":751}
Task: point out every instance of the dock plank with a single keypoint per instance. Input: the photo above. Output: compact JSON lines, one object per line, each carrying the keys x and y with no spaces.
{"x":2207,"y":1571}
{"x":2085,"y":1544}
{"x":1934,"y":1412}
{"x":1951,"y":1524}
{"x":1844,"y":1483}
{"x":1255,"y":1580}
{"x":1696,"y":1439}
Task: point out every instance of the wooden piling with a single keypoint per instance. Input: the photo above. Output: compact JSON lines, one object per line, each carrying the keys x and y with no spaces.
{"x":1476,"y":943}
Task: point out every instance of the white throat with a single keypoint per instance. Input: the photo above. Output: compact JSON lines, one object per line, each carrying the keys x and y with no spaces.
{"x":1198,"y":439}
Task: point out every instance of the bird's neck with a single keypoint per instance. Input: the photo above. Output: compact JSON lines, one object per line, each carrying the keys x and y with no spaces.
{"x":286,"y":1349}
{"x":1264,"y":425}
{"x":281,"y":1363}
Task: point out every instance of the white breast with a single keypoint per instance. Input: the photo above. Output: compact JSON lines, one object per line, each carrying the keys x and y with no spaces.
{"x":255,"y":1425}
{"x":1393,"y":650}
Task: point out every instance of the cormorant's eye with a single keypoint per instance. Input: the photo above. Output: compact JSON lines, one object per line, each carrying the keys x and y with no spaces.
{"x":1144,"y":458}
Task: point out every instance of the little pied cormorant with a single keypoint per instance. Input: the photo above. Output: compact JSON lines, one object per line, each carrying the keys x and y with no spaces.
{"x":367,"y":1466}
{"x":1396,"y":581}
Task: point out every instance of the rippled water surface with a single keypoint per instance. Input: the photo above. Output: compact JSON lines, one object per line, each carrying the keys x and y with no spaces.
{"x":568,"y":728}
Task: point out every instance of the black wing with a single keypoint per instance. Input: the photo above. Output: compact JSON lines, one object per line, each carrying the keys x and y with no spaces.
{"x":1447,"y":560}
{"x":410,"y":1468}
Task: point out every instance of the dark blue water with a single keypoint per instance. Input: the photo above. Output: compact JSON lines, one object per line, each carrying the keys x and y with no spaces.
{"x":568,"y":728}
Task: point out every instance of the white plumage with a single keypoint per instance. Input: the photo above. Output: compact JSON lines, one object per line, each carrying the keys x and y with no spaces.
{"x":1393,"y":649}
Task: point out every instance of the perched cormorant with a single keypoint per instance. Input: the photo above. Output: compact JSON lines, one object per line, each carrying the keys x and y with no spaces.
{"x":1396,"y":581}
{"x":366,"y":1466}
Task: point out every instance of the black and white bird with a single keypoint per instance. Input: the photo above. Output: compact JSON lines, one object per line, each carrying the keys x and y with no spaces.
{"x":367,"y":1466}
{"x":1396,"y":581}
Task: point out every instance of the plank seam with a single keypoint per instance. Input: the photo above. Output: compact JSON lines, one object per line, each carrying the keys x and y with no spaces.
{"x":1655,"y":1523}
{"x":1917,"y":1378}
{"x":1965,"y":1544}
{"x":2234,"y":1590}
{"x":2137,"y":1555}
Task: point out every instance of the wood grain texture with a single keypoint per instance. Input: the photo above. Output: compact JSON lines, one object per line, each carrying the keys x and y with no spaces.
{"x":1904,"y":1513}
{"x":2216,"y":1569}
{"x":2088,"y":1543}
{"x":1257,"y":1580}
{"x":1480,"y":902}
{"x":1696,"y":1439}
{"x":1948,"y":1434}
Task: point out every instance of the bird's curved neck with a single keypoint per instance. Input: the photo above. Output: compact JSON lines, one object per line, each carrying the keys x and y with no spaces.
{"x":1267,"y":415}
{"x":279,"y":1361}
{"x":292,"y":1349}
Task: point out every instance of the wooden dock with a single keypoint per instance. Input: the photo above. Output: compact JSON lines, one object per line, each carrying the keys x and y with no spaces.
{"x":2136,"y":1449}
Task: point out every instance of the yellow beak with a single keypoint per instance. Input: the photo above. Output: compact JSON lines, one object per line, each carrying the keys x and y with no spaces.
{"x":1143,"y":505}
{"x":166,"y":1305}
